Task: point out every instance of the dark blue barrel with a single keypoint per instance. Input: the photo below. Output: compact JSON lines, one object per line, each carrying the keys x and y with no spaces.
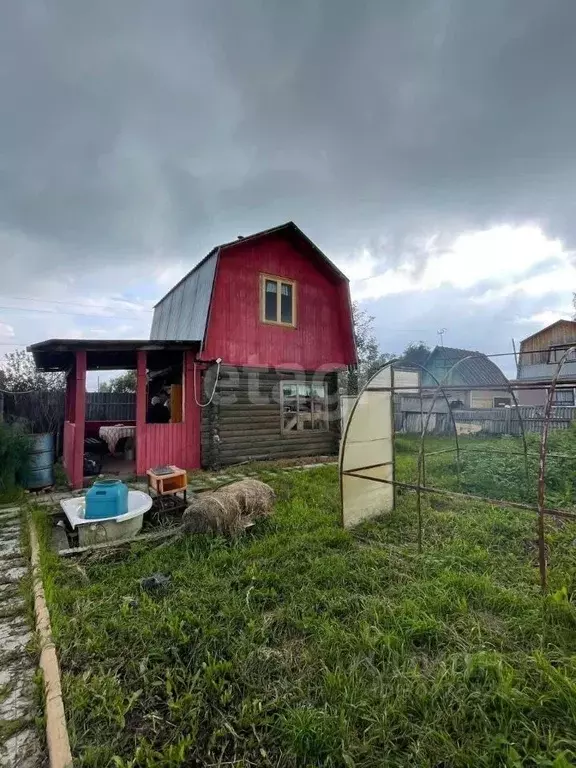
{"x":40,"y":472}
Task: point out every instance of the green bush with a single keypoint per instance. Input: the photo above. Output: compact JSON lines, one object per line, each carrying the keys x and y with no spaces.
{"x":14,"y":459}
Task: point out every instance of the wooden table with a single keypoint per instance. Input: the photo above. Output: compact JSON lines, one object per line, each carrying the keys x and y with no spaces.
{"x":168,"y":485}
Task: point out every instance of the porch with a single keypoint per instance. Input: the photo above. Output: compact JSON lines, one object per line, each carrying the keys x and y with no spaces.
{"x":165,"y":379}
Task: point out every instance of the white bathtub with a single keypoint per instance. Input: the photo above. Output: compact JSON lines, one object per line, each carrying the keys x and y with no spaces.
{"x":108,"y":528}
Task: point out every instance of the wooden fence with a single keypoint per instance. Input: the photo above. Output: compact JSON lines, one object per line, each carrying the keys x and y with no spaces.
{"x":44,"y":411}
{"x":494,"y":421}
{"x":110,"y":406}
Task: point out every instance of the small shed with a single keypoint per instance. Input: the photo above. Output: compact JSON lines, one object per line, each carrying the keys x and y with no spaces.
{"x":177,"y":441}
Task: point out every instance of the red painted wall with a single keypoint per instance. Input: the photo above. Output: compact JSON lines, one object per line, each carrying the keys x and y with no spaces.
{"x":158,"y":444}
{"x":236,"y":334}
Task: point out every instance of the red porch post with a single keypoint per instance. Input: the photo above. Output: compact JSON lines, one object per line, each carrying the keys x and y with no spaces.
{"x":141,"y":458}
{"x":78,"y":402}
{"x":70,"y":395}
{"x":69,"y":403}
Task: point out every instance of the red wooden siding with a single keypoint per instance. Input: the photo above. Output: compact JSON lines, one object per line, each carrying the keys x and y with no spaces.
{"x":159,"y":444}
{"x":235,"y":332}
{"x":177,"y":444}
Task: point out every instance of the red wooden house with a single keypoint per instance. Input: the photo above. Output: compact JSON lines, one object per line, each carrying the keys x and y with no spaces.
{"x":249,"y":345}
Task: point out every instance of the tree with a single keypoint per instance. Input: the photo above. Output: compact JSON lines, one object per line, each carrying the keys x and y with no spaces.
{"x":30,"y":396}
{"x":18,"y":373}
{"x":370,"y":358}
{"x":416,"y":352}
{"x":126,"y":382}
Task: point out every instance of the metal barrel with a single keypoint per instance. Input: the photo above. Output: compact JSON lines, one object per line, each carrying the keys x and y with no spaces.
{"x":40,"y":472}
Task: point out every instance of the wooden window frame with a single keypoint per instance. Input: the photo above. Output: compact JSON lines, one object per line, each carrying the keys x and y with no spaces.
{"x":299,"y":431}
{"x":278,"y":280}
{"x":556,"y":352}
{"x":502,"y":397}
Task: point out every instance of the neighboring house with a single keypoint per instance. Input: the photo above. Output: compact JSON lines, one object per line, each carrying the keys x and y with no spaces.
{"x":244,"y":352}
{"x":473,"y":372}
{"x":538,"y":361}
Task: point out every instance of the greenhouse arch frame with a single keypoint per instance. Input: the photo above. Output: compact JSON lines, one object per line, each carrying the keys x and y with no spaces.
{"x":367,"y":455}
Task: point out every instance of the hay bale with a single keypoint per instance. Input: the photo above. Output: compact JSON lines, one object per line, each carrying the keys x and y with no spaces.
{"x":229,"y":510}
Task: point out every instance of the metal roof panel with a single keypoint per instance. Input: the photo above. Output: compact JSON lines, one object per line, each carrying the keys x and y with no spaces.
{"x":476,"y":371}
{"x":183,"y":313}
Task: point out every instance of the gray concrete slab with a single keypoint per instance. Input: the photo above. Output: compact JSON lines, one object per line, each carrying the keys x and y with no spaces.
{"x":18,"y":708}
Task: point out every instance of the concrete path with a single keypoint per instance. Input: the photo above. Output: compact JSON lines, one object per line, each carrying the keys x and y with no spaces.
{"x":19,"y":742}
{"x":204,"y":481}
{"x":210,"y":479}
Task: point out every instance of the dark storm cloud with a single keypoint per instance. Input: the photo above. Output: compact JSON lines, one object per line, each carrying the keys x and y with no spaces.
{"x":136,"y":127}
{"x":415,"y":115}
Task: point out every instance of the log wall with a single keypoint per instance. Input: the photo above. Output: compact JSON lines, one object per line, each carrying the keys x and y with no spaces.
{"x":243,"y":421}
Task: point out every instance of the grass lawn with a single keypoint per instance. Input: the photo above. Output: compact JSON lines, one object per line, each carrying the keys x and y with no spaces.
{"x":305,"y":645}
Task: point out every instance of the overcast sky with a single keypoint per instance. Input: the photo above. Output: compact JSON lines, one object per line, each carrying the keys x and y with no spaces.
{"x":427,"y":146}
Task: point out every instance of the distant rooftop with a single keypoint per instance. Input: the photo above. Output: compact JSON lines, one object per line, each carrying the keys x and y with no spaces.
{"x":477,"y":371}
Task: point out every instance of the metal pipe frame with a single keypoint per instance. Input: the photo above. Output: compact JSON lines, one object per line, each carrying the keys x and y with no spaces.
{"x":549,"y":511}
{"x":542,"y":469}
{"x":421,"y":487}
{"x":445,"y":382}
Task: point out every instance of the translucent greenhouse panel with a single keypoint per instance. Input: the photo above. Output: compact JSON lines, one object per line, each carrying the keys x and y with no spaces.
{"x":367,"y":449}
{"x":406,"y":382}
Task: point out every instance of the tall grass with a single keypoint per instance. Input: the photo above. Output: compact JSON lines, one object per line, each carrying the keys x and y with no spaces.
{"x":14,"y":460}
{"x":497,"y":475}
{"x":305,"y":645}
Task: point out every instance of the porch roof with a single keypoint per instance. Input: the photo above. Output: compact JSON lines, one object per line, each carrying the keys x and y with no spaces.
{"x":105,"y":354}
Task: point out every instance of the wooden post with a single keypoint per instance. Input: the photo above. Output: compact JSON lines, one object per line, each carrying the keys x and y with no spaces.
{"x":141,"y":402}
{"x":515,"y":355}
{"x":508,"y":420}
{"x":71,"y":395}
{"x":79,"y":414}
{"x":176,"y":412}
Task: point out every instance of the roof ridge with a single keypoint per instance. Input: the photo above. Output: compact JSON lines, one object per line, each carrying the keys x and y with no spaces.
{"x":271,"y":230}
{"x":461,"y":349}
{"x":547,"y":327}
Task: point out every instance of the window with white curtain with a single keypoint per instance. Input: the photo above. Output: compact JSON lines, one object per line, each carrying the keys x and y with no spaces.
{"x":278,"y":301}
